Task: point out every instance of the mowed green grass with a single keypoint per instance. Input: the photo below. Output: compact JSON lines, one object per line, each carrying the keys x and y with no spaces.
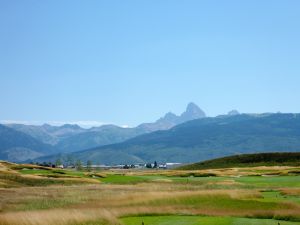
{"x":276,"y":196}
{"x":247,"y":181}
{"x":126,"y":179}
{"x":200,"y":220}
{"x":219,"y":202}
{"x":270,"y":181}
{"x":123,"y":179}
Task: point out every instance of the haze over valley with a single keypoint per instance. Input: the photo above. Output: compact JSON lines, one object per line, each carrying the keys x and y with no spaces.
{"x":127,"y":112}
{"x":189,"y":137}
{"x":23,"y":142}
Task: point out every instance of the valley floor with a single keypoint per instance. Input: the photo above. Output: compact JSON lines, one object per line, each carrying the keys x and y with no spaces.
{"x":32,"y":195}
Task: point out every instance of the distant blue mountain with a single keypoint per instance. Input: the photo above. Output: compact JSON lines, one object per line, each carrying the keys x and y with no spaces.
{"x":202,"y":139}
{"x":170,"y":120}
{"x":71,"y":138}
{"x":18,"y":146}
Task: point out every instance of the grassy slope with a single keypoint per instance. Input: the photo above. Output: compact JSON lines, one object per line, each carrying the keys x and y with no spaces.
{"x":20,"y":175}
{"x":248,"y":160}
{"x":18,"y":146}
{"x":229,"y":195}
{"x":197,"y":220}
{"x":201,"y":139}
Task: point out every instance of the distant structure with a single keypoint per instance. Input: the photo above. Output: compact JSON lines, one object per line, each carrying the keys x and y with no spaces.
{"x":132,"y":166}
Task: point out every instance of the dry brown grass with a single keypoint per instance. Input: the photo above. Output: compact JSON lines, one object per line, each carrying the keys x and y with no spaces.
{"x":231,"y":172}
{"x":108,"y":202}
{"x":10,"y":176}
{"x":58,"y":217}
{"x":78,"y":204}
{"x":111,"y":215}
{"x":291,"y":191}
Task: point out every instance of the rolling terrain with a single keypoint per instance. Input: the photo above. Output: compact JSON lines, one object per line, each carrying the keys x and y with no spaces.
{"x":18,"y":146}
{"x":201,"y":139}
{"x":71,"y":138}
{"x":36,"y":195}
{"x":248,"y":160}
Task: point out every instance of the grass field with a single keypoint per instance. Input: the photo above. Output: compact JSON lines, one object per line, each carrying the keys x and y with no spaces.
{"x":32,"y":195}
{"x":198,"y":220}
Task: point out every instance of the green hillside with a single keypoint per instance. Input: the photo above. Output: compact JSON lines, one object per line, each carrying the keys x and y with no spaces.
{"x":17,"y":146}
{"x":202,"y":139}
{"x":104,"y":135}
{"x":248,"y":160}
{"x":71,"y":138}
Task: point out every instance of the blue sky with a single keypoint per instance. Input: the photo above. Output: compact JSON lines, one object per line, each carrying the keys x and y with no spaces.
{"x":128,"y":62}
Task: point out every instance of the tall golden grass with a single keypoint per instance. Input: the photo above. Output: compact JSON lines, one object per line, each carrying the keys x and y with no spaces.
{"x":58,"y":217}
{"x":291,"y":191}
{"x":105,"y":203}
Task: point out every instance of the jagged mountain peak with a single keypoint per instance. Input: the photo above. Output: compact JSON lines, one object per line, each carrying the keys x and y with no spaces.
{"x":233,"y":112}
{"x":170,"y":117}
{"x":71,"y":137}
{"x":192,"y":106}
{"x":192,"y":112}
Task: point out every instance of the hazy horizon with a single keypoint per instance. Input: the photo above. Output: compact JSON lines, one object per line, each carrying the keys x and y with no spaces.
{"x":131,"y":62}
{"x":89,"y":124}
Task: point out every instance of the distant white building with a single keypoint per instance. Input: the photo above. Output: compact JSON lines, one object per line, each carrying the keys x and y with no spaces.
{"x":172,"y":165}
{"x":162,"y":166}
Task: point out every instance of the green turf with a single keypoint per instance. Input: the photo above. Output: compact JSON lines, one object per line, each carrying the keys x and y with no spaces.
{"x":35,"y":171}
{"x":276,"y":196}
{"x":270,"y":181}
{"x":123,"y":179}
{"x":193,"y":179}
{"x":200,"y":220}
{"x":220,"y":202}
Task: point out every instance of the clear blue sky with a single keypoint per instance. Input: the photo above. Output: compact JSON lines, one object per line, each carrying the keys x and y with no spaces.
{"x":127,"y":62}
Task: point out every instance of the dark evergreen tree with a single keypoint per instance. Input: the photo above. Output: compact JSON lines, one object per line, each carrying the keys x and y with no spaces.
{"x":89,"y":165}
{"x":78,"y":165}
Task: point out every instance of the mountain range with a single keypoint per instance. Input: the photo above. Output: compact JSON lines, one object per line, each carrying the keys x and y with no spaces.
{"x":189,"y":137}
{"x":201,"y":139}
{"x":70,"y":138}
{"x":170,"y":120}
{"x":18,"y":146}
